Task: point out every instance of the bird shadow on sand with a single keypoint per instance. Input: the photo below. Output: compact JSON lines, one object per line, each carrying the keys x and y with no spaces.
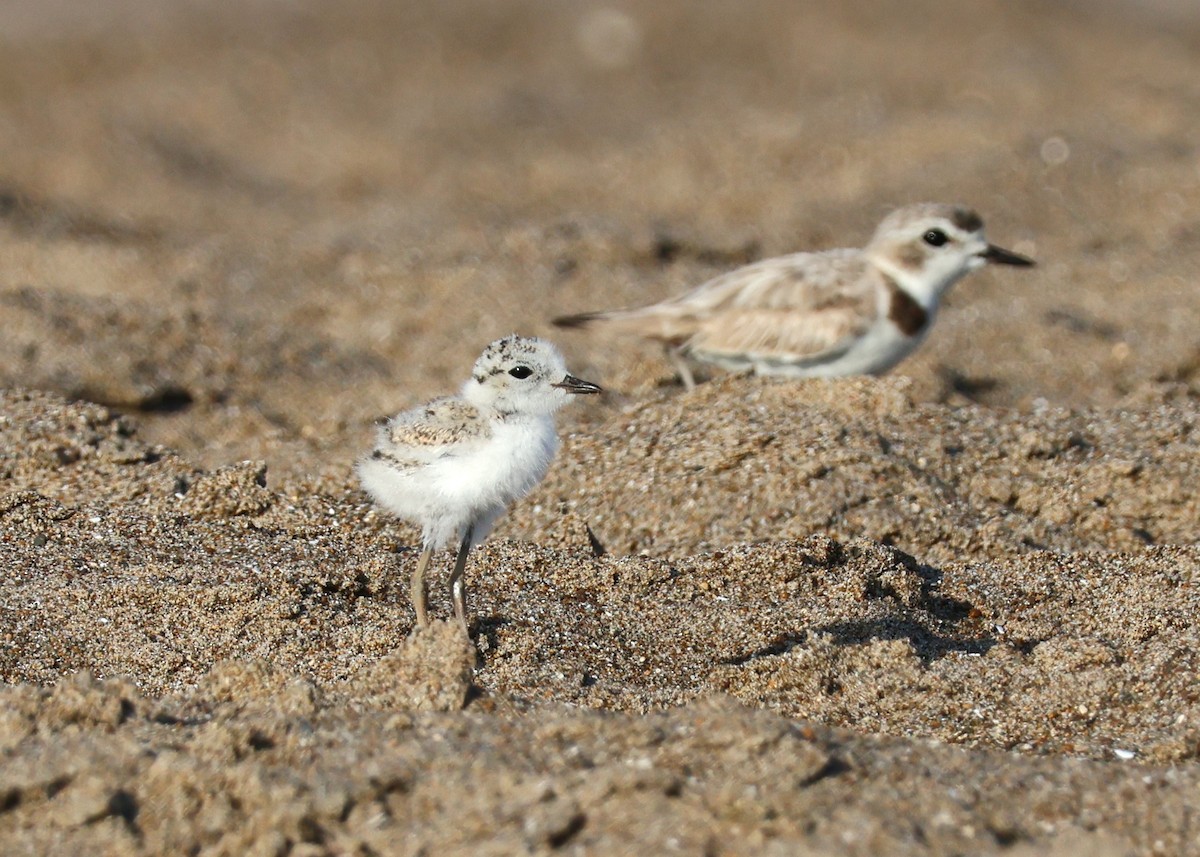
{"x":935,"y":625}
{"x":485,"y":633}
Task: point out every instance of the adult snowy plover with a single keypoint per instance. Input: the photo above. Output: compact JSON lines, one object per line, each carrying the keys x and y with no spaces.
{"x":835,"y":312}
{"x":454,"y":464}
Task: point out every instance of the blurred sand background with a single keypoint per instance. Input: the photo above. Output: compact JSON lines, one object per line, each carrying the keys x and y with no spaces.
{"x":950,"y":611}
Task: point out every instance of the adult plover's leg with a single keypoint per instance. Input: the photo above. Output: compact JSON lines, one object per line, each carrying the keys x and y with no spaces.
{"x":416,"y":588}
{"x":458,"y":589}
{"x":675,"y":355}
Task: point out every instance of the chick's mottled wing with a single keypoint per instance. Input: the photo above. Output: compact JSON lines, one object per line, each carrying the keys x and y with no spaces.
{"x":437,"y":429}
{"x":804,"y":307}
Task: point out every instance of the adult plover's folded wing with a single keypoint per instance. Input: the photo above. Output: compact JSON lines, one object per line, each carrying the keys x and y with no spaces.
{"x":806,"y":306}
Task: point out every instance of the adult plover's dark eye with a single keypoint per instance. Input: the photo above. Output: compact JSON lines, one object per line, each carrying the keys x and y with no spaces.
{"x":934,"y":238}
{"x":520,"y":371}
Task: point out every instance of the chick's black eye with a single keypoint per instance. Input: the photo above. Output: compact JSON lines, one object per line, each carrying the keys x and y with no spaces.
{"x":934,"y":237}
{"x":520,"y":371}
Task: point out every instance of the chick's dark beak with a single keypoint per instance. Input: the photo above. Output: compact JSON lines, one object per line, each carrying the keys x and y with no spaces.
{"x":578,"y":386}
{"x":1000,"y":256}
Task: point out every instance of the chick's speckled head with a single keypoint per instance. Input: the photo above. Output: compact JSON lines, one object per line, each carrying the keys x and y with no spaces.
{"x":523,"y":375}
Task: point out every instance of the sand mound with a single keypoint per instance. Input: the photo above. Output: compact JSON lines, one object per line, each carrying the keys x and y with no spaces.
{"x":951,"y":611}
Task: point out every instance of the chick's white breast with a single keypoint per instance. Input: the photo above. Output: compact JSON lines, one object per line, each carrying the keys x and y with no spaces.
{"x":516,"y":458}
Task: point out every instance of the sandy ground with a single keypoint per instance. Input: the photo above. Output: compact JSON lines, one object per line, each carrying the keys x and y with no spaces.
{"x":950,"y":611}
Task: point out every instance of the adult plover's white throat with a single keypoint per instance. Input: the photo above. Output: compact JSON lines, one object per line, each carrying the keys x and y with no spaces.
{"x":454,"y":464}
{"x":836,"y":312}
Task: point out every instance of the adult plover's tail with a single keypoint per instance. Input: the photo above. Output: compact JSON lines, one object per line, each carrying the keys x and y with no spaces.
{"x":668,"y":322}
{"x":578,"y":320}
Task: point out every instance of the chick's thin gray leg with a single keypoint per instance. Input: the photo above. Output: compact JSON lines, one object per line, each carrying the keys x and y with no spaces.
{"x":416,"y":588}
{"x":458,"y":588}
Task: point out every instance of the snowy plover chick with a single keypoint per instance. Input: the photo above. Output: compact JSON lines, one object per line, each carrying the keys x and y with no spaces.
{"x":835,"y":312}
{"x":454,"y":464}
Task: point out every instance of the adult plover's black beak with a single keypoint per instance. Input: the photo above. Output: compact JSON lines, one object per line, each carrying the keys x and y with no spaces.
{"x":1000,"y":256}
{"x":578,"y":386}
